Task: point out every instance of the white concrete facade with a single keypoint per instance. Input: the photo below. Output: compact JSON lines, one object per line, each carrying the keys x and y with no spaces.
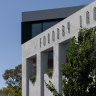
{"x":59,"y":35}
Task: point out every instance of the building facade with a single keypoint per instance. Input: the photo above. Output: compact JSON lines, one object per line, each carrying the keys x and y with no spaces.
{"x":45,"y":38}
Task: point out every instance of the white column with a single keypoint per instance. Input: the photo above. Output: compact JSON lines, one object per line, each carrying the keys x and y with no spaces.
{"x":24,"y":78}
{"x":59,"y":58}
{"x":44,"y":62}
{"x":38,"y":75}
{"x":42,"y":59}
{"x":26,"y":74}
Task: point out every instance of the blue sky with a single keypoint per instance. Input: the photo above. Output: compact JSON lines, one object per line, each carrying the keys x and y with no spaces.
{"x":10,"y":27}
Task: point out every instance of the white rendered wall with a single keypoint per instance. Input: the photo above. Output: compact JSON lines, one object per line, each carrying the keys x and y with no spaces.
{"x":33,"y":47}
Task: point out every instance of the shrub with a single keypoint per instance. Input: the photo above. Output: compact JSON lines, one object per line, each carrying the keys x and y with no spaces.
{"x":50,"y":73}
{"x":79,"y":72}
{"x":33,"y":79}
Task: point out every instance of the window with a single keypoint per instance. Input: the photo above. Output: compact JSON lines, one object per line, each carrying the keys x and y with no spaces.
{"x":63,"y":30}
{"x":58,"y":33}
{"x":87,"y":17}
{"x":32,"y":29}
{"x":81,"y":21}
{"x":68,"y":26}
{"x":48,"y":24}
{"x":53,"y":36}
{"x":48,"y":38}
{"x":94,"y":13}
{"x":36,"y":29}
{"x":40,"y":42}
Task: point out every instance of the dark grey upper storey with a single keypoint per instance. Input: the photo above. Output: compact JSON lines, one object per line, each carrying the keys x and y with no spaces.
{"x":49,"y":14}
{"x":36,"y":22}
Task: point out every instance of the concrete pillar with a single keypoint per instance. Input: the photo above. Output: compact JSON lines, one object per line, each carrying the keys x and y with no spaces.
{"x":27,"y":73}
{"x":42,"y":59}
{"x":24,"y":78}
{"x":38,"y":77}
{"x":44,"y":68}
{"x":59,"y":58}
{"x":44,"y":62}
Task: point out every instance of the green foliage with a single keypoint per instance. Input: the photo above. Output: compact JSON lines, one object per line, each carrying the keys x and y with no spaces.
{"x":33,"y":79}
{"x":18,"y":90}
{"x":13,"y":76}
{"x":50,"y":73}
{"x":79,"y":73}
{"x":6,"y":91}
{"x":51,"y":87}
{"x":12,"y":91}
{"x":14,"y":81}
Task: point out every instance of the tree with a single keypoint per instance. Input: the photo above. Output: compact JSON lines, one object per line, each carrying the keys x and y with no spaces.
{"x":18,"y":90}
{"x":6,"y":92}
{"x":79,"y":73}
{"x":13,"y":76}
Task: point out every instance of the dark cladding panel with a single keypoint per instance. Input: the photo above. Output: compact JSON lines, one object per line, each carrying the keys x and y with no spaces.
{"x":49,"y":14}
{"x":26,"y":32}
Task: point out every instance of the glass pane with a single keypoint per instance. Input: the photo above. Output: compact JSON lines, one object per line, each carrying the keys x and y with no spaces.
{"x":48,"y":24}
{"x":36,"y":29}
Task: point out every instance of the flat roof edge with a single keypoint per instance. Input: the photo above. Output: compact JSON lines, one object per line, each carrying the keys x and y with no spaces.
{"x":49,"y":13}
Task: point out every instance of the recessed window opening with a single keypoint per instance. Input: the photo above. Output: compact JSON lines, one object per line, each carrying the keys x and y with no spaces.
{"x":53,"y":36}
{"x":80,"y":21}
{"x":58,"y":33}
{"x":44,"y":40}
{"x":48,"y":38}
{"x":87,"y":17}
{"x":50,"y":64}
{"x":63,"y":30}
{"x":68,"y":26}
{"x":50,"y":60}
{"x":40,"y":42}
{"x":32,"y":67}
{"x":94,"y":13}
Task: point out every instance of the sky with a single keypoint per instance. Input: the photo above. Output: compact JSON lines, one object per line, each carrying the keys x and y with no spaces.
{"x":10,"y":27}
